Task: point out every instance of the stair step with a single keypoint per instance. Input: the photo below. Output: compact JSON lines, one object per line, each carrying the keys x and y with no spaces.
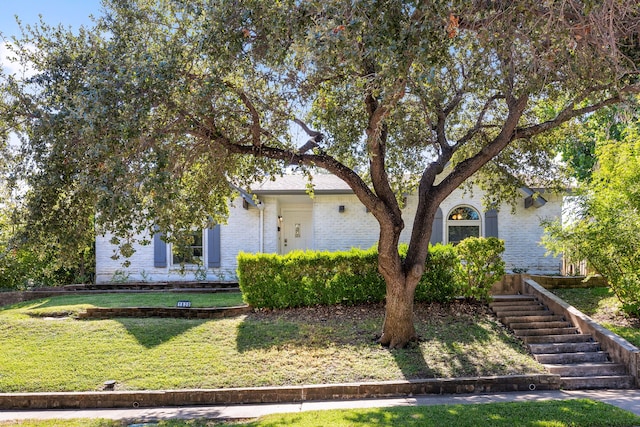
{"x":544,"y":339}
{"x":545,"y":331}
{"x":500,"y":304}
{"x":559,"y":346}
{"x":516,"y":308}
{"x":504,"y":314}
{"x":502,"y":298}
{"x":587,"y":369}
{"x":564,"y":347}
{"x":526,"y":319}
{"x":541,"y":325}
{"x":611,"y":382}
{"x":569,"y":358}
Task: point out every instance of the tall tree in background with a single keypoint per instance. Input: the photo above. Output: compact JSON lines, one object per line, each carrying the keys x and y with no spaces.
{"x":605,"y":230}
{"x":148,"y":116}
{"x":578,"y":140}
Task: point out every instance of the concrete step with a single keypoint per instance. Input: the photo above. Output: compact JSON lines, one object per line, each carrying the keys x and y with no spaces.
{"x":610,"y":382}
{"x":525,"y":319}
{"x":593,"y":369}
{"x":564,"y":347}
{"x":516,"y":308}
{"x":560,"y":347}
{"x":503,"y":298}
{"x":570,"y":358}
{"x":545,"y":331}
{"x":500,"y":304}
{"x":541,"y":325}
{"x":541,"y":339}
{"x":504,"y":314}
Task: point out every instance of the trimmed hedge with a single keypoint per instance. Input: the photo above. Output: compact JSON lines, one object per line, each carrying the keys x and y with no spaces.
{"x":439,"y":282}
{"x":481,"y":265}
{"x":308,"y":278}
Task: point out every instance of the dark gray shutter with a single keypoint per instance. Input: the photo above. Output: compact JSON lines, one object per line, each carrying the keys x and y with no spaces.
{"x":159,"y":251}
{"x":437,"y":228}
{"x":213,"y":247}
{"x":491,"y":223}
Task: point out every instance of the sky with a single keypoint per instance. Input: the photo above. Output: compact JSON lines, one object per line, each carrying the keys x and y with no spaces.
{"x":67,"y":12}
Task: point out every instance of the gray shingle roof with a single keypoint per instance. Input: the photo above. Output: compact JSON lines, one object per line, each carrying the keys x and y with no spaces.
{"x":297,"y":184}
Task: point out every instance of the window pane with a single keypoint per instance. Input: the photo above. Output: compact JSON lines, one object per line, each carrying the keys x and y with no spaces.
{"x":190,"y":254}
{"x":461,"y":232}
{"x":464,"y":213}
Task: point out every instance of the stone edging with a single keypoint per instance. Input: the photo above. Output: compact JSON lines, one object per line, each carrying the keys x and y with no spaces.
{"x":226,"y":396}
{"x":172,"y":312}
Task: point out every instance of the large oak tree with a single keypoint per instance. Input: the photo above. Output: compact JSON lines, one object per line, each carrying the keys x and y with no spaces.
{"x":147,"y":117}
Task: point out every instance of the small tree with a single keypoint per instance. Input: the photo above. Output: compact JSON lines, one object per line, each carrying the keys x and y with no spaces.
{"x":606,"y":231}
{"x":147,"y":116}
{"x":481,"y":265}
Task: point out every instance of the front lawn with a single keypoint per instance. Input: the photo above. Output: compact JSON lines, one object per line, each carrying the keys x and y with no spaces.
{"x":565,"y":413}
{"x":71,"y":305}
{"x":265,"y":348}
{"x":603,"y":307}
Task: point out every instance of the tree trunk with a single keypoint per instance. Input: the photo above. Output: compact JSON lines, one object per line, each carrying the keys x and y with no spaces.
{"x":398,"y":329}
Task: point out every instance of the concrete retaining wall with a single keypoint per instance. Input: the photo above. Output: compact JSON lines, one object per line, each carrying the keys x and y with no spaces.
{"x":511,"y":284}
{"x":171,"y":312}
{"x":128,"y":399}
{"x":555,"y":282}
{"x":8,"y":298}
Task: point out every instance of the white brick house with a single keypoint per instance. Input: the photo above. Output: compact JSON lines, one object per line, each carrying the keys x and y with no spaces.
{"x":286,"y":218}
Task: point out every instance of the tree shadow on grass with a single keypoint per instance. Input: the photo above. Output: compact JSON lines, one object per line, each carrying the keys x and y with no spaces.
{"x":358,"y":332}
{"x":151,"y":332}
{"x":148,"y":331}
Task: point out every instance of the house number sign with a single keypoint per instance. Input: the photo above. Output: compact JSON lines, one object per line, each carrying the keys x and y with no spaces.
{"x":297,"y":228}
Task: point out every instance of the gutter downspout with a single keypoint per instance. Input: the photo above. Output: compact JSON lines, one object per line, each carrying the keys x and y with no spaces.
{"x":260,"y":207}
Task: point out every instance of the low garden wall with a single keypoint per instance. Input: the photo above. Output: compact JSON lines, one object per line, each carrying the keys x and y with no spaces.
{"x":301,"y":393}
{"x":8,"y":298}
{"x":169,"y":312}
{"x":556,"y":282}
{"x":511,"y":284}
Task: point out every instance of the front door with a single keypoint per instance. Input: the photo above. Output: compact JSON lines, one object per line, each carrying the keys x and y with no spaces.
{"x":297,"y":231}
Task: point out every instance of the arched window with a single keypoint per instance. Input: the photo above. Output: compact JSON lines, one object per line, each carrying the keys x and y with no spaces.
{"x":462,"y":222}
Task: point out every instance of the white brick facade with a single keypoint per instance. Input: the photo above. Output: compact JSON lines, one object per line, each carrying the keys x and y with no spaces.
{"x":257,"y":230}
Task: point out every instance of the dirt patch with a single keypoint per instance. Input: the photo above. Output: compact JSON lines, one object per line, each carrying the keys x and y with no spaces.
{"x":613,"y":316}
{"x":424,"y":312}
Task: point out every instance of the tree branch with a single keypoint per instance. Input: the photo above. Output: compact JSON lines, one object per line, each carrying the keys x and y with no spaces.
{"x":570,"y":113}
{"x":316,"y":137}
{"x":478,"y":126}
{"x":471,"y":165}
{"x":255,"y":117}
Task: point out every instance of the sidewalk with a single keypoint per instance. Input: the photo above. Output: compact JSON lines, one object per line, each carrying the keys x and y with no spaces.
{"x":625,"y":399}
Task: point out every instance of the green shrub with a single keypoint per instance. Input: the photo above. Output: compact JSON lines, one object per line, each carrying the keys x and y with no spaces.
{"x":440,"y":283}
{"x":23,"y":268}
{"x":307,"y":278}
{"x":481,"y":265}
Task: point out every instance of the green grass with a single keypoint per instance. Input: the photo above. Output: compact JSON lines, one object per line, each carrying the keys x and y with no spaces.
{"x":584,"y":413}
{"x":306,"y":346}
{"x":569,"y":413}
{"x":590,"y":301}
{"x":605,"y":308}
{"x":73,"y":304}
